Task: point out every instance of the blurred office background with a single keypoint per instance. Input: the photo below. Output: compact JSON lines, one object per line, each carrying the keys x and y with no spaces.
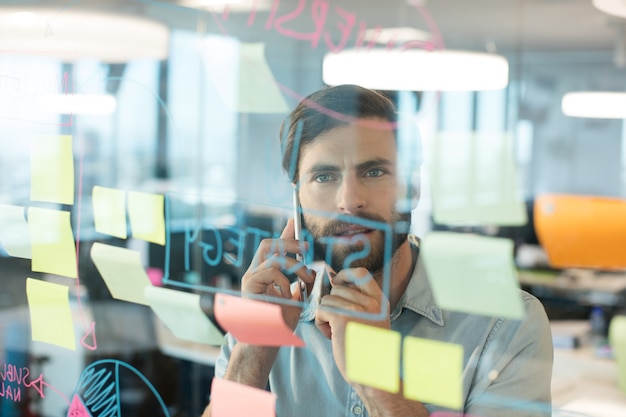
{"x":158,"y":104}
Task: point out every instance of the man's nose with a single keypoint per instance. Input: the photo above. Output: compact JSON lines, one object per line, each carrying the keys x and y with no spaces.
{"x":351,"y":196}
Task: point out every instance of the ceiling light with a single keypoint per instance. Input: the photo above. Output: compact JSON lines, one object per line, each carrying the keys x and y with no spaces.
{"x":234,"y":6}
{"x":416,"y":70}
{"x":612,"y":7}
{"x":601,"y":105}
{"x":396,"y":35}
{"x":78,"y":104}
{"x":69,"y":35}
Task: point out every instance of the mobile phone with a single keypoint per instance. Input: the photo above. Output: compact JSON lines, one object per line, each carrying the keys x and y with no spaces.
{"x":297,"y":221}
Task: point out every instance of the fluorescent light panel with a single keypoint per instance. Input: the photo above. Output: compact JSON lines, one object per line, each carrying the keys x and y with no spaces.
{"x":612,"y":7}
{"x":593,"y":104}
{"x":398,"y":35}
{"x":416,"y":70}
{"x":70,"y":35}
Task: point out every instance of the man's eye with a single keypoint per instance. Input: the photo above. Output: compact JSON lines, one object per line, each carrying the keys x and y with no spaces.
{"x":323,"y":178}
{"x":375,"y":172}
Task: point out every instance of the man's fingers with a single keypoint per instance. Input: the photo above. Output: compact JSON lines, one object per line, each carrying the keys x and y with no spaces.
{"x":270,"y":247}
{"x":289,"y":232}
{"x":275,"y":272}
{"x":357,"y":278}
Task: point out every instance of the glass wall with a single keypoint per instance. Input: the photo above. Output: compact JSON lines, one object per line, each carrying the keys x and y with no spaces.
{"x":139,"y":147}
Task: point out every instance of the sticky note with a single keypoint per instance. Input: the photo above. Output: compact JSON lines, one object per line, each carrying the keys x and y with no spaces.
{"x":258,"y":89}
{"x":474,"y":180}
{"x":582,"y":231}
{"x":122,"y":272}
{"x":363,"y":343}
{"x":254,"y":322}
{"x":14,"y":233}
{"x":474,"y":274}
{"x":52,"y":169}
{"x":109,"y":211}
{"x":52,"y":240}
{"x":617,"y":340}
{"x":251,"y":87}
{"x":226,"y":400}
{"x":50,"y":313}
{"x":147,"y":219}
{"x":181,"y":313}
{"x":432,"y":371}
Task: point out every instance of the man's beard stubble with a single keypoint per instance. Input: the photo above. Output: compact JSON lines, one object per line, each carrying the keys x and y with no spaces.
{"x":375,"y":260}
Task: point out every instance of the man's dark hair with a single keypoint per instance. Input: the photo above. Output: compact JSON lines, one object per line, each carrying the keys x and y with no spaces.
{"x":325,"y":110}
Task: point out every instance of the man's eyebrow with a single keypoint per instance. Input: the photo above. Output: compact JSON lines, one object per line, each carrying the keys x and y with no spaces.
{"x":322,"y":168}
{"x":372,"y":163}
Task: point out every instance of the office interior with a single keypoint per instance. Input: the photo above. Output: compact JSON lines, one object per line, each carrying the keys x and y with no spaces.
{"x":184,"y":99}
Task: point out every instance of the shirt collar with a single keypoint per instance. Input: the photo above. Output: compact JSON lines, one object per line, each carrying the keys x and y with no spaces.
{"x":417,"y":296}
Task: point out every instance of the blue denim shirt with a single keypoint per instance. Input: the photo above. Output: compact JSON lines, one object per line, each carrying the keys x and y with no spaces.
{"x":507,"y":363}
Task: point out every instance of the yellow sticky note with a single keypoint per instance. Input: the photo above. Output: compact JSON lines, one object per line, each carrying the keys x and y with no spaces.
{"x":14,"y":234}
{"x":373,"y":356}
{"x":474,"y":179}
{"x":52,"y":240}
{"x":474,"y":274}
{"x":109,"y":211}
{"x":122,"y":272}
{"x":258,"y":89}
{"x":242,"y":76}
{"x":432,"y":372}
{"x":52,"y":169}
{"x":147,"y":220}
{"x":181,"y":313}
{"x":50,"y":313}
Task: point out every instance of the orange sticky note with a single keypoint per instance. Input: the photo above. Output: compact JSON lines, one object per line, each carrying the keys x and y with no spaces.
{"x":109,"y":211}
{"x":52,"y":169}
{"x":50,"y":313}
{"x":147,"y":220}
{"x":230,"y":399}
{"x":432,"y":371}
{"x":582,"y":231}
{"x":52,"y":240}
{"x":365,"y":342}
{"x":254,"y":322}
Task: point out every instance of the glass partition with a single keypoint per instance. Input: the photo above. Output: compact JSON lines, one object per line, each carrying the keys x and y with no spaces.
{"x":140,"y":170}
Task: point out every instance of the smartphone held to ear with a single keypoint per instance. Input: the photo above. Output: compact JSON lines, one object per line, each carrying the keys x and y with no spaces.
{"x":297,"y":221}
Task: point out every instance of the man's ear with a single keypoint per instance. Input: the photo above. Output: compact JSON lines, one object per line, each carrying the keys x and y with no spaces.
{"x":414,"y":189}
{"x":409,"y":195}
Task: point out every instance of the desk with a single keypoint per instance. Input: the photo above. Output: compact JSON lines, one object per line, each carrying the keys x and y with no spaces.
{"x":585,"y":385}
{"x":585,"y":287}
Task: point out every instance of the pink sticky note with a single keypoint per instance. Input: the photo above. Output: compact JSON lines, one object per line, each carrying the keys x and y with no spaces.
{"x":254,"y":322}
{"x":226,"y":400}
{"x":77,"y":408}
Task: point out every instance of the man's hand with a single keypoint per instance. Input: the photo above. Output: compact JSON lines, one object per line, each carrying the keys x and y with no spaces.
{"x":266,"y":274}
{"x":353,"y":290}
{"x":251,"y":364}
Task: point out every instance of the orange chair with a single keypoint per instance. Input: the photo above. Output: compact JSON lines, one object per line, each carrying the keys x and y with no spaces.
{"x":582,"y":231}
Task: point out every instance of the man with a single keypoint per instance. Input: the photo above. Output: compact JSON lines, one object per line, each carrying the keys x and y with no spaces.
{"x":341,"y":151}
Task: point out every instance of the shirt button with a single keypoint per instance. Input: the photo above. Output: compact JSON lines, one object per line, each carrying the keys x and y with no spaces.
{"x":358,"y":410}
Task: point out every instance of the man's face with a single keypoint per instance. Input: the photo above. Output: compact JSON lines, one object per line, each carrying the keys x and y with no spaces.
{"x":351,"y":171}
